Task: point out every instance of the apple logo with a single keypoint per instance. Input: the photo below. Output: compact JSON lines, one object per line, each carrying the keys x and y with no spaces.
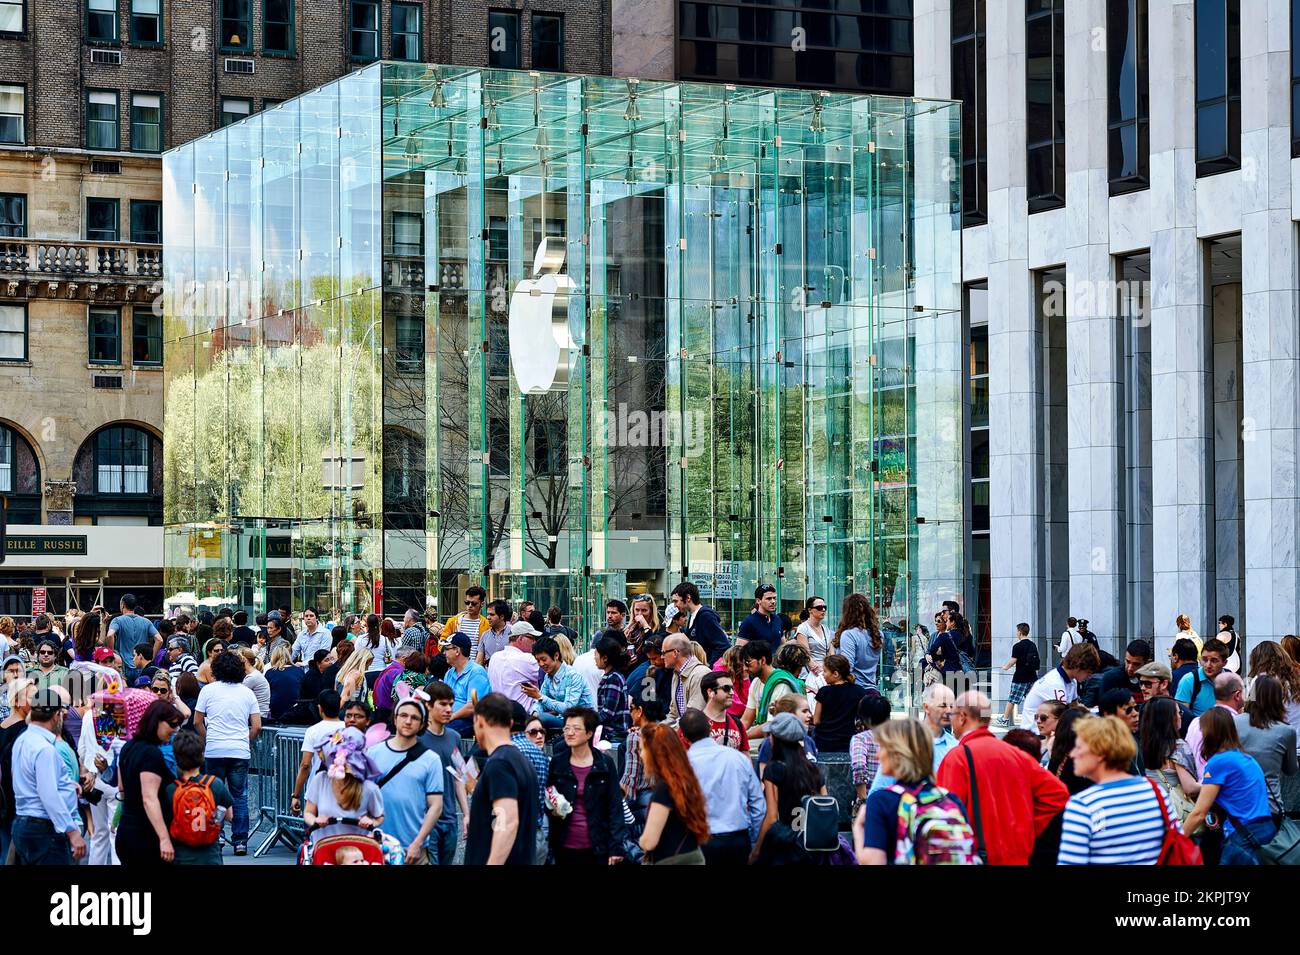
{"x":539,"y":322}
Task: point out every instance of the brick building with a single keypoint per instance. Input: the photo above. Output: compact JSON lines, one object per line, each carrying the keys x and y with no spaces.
{"x":91,"y":92}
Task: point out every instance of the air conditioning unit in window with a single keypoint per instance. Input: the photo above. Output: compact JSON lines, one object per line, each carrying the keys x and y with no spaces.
{"x":106,"y":57}
{"x":106,"y":167}
{"x":107,"y":381}
{"x":246,"y":67}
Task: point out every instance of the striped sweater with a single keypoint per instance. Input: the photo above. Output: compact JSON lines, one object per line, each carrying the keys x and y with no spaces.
{"x":1115,"y":823}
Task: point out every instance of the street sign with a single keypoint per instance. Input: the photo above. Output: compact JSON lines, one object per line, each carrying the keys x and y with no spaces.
{"x":38,"y":600}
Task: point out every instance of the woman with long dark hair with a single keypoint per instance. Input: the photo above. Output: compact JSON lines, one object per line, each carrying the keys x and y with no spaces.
{"x":86,"y":637}
{"x":858,"y":639}
{"x":1266,"y":736}
{"x":788,"y":777}
{"x":677,"y":822}
{"x":143,"y":777}
{"x":1059,"y":762}
{"x":1236,"y":783}
{"x":612,"y":703}
{"x":1165,"y":754}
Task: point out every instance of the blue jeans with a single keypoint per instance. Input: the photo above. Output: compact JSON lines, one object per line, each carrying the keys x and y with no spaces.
{"x":442,"y":843}
{"x":551,"y":721}
{"x":1238,"y":851}
{"x":37,"y":843}
{"x":235,"y":774}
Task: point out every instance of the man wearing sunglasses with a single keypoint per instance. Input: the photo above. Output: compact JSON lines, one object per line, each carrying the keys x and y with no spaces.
{"x":48,"y":672}
{"x":1155,"y":680}
{"x":471,"y":621}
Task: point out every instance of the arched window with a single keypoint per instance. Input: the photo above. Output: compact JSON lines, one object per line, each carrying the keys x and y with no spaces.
{"x":122,"y":461}
{"x":119,"y":476}
{"x":20,"y":477}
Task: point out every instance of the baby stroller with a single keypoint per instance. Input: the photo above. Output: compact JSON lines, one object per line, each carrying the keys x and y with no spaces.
{"x":371,"y":845}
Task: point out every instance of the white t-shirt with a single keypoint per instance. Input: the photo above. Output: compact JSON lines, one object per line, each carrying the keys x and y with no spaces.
{"x":315,"y":738}
{"x":226,"y":708}
{"x":585,"y":664}
{"x":1052,"y":686}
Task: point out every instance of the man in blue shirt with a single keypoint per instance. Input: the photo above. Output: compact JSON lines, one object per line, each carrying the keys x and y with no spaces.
{"x":763,"y":623}
{"x":563,"y":687}
{"x":938,"y":704}
{"x":733,"y":796}
{"x":412,"y":779}
{"x":701,"y":623}
{"x":1197,"y":689}
{"x":125,"y":631}
{"x":45,"y":830}
{"x":467,"y":680}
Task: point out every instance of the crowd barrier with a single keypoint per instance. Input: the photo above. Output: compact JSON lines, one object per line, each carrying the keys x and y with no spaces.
{"x":285,"y":755}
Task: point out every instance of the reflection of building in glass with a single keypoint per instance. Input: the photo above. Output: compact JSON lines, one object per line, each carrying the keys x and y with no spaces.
{"x":755,"y":294}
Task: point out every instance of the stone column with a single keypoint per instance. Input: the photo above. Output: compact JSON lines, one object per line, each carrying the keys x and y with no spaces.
{"x":1270,"y":352}
{"x":1182,"y":426}
{"x":932,"y":46}
{"x":1094,"y":346}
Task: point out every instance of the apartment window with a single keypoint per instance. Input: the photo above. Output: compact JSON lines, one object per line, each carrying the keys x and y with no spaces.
{"x":1129,"y":95}
{"x":236,"y":24}
{"x":146,"y":337}
{"x":1045,"y":102}
{"x":365,"y":30}
{"x":548,"y":41}
{"x":12,"y":16}
{"x":503,"y":38}
{"x":234,"y":109}
{"x":13,"y":215}
{"x":969,"y":84}
{"x":122,"y":461}
{"x":406,"y":31}
{"x":13,"y":332}
{"x":101,"y":20}
{"x":104,"y":329}
{"x":146,"y":122}
{"x":1218,"y":86}
{"x":277,"y":26}
{"x":102,"y":220}
{"x":146,"y":221}
{"x":268,"y":103}
{"x":101,"y":120}
{"x":410,"y":343}
{"x":12,"y":110}
{"x":146,"y":22}
{"x":407,"y":233}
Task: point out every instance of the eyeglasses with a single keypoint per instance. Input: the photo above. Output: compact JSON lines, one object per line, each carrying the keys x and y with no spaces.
{"x":471,"y":602}
{"x":1128,"y":709}
{"x":725,"y":688}
{"x":821,"y":607}
{"x":537,"y":731}
{"x":45,"y":653}
{"x":160,"y":690}
{"x":1041,"y":717}
{"x":1146,"y":684}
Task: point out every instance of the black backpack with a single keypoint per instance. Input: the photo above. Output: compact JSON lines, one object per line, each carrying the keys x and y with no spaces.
{"x":820,"y":824}
{"x":1032,"y":660}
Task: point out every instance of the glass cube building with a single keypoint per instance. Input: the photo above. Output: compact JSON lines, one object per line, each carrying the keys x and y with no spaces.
{"x":567,"y":337}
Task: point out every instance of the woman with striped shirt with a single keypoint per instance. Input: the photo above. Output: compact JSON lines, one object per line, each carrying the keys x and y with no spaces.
{"x":1120,"y":819}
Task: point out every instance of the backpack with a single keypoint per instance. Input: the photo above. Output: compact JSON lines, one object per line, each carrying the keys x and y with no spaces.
{"x":431,"y":645}
{"x":1031,"y":659}
{"x":820,"y":831}
{"x":932,"y":829}
{"x":194,"y":812}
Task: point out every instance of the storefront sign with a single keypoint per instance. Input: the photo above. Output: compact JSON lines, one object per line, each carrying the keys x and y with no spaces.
{"x":38,"y":600}
{"x":38,"y":546}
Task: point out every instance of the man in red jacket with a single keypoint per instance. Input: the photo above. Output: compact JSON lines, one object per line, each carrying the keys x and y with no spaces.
{"x":1014,"y":798}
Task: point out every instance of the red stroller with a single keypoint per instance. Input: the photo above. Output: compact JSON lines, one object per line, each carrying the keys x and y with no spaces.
{"x":324,"y":851}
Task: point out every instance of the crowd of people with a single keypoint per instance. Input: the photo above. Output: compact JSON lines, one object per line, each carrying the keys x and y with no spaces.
{"x":500,"y":735}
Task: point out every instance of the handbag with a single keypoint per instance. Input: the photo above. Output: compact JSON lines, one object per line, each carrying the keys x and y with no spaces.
{"x":1178,"y":848}
{"x":1179,"y":801}
{"x":1282,"y":849}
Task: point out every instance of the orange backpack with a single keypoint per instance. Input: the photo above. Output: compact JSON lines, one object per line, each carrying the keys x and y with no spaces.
{"x":194,"y":812}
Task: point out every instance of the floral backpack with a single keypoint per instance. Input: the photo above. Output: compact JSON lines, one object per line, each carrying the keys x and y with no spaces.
{"x":932,"y":829}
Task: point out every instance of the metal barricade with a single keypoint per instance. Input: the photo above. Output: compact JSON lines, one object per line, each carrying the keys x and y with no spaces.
{"x":261,"y":779}
{"x":286,"y":757}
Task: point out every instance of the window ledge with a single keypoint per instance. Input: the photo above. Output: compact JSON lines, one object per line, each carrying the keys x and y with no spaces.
{"x":15,"y":363}
{"x":104,"y":366}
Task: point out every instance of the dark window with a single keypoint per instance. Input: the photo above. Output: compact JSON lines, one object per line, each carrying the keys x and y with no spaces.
{"x":101,"y":20}
{"x":364,"y":44}
{"x":498,"y":447}
{"x":102,"y":220}
{"x":13,"y":332}
{"x":12,"y":109}
{"x":146,"y":221}
{"x":13,"y":215}
{"x":277,"y":26}
{"x":122,"y":461}
{"x":1218,"y":86}
{"x":548,"y":41}
{"x":146,"y":22}
{"x":1295,"y":78}
{"x":101,"y":120}
{"x":12,"y":16}
{"x":408,"y":233}
{"x":146,"y":337}
{"x":146,"y":122}
{"x":1045,"y":103}
{"x":969,"y":85}
{"x":503,"y":38}
{"x":549,"y":450}
{"x":406,"y":32}
{"x":233,"y":109}
{"x":410,"y":343}
{"x":1129,"y":100}
{"x":236,"y":24}
{"x":104,"y":329}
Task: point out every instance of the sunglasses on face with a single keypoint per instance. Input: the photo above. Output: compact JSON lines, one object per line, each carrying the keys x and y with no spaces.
{"x":821,"y":607}
{"x":160,"y":690}
{"x":45,"y":653}
{"x":1128,"y":709}
{"x":1041,"y":718}
{"x":537,"y":731}
{"x":724,"y":688}
{"x":1146,"y":684}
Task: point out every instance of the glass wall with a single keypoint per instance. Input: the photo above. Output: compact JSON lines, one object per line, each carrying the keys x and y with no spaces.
{"x":570,"y":337}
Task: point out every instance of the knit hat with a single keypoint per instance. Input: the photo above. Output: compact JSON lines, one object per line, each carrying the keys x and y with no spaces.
{"x":787,"y":727}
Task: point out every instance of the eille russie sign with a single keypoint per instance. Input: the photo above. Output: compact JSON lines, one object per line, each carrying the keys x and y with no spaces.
{"x":40,"y":545}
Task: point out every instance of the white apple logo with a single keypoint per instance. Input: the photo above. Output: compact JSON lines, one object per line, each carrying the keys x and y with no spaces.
{"x":539,"y":322}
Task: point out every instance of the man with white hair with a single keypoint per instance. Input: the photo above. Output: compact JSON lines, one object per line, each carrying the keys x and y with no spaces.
{"x":937,"y":705}
{"x":1009,"y":798}
{"x":1229,"y":693}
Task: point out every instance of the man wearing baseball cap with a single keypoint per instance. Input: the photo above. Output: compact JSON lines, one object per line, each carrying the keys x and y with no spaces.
{"x":510,"y":669}
{"x":1155,"y":679}
{"x":45,"y":829}
{"x":467,"y":679}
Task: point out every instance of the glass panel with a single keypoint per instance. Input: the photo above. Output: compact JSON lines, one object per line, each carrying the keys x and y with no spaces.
{"x":101,"y":19}
{"x":101,"y":220}
{"x":11,"y":16}
{"x":13,"y":333}
{"x":101,"y":121}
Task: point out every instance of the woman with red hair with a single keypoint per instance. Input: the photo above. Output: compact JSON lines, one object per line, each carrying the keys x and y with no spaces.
{"x":676,"y":823}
